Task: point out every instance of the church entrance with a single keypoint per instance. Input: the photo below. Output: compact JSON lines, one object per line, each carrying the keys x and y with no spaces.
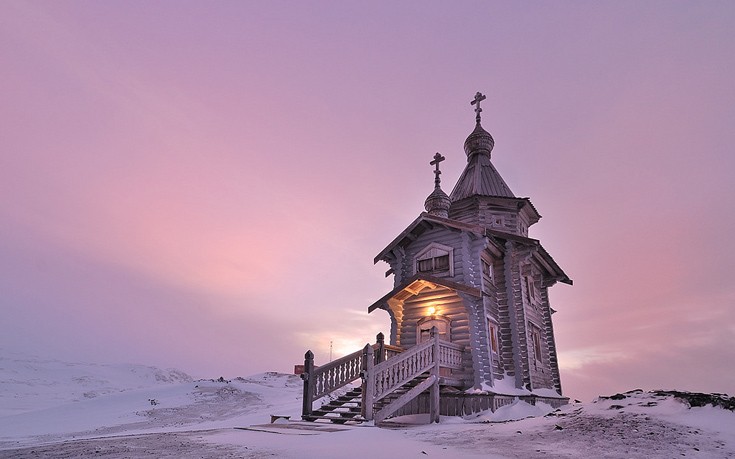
{"x":424,"y":328}
{"x":423,"y":332}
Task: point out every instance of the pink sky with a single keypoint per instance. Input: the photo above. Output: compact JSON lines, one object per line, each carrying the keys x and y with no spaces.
{"x":205,"y":185}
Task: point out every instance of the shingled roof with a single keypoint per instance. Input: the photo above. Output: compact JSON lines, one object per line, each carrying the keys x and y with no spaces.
{"x":480,"y":178}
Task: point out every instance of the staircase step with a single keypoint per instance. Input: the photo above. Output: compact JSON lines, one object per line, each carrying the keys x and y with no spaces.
{"x":338,"y":408}
{"x":335,"y":419}
{"x":349,"y":410}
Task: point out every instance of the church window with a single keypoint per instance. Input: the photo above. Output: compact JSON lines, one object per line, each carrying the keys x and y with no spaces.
{"x":436,"y":259}
{"x":488,"y":276}
{"x":536,"y":337}
{"x":487,"y":269}
{"x":529,"y":289}
{"x":492,"y":329}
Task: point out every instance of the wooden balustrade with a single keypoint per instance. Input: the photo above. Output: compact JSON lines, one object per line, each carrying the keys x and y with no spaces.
{"x":384,"y":369}
{"x":399,"y":370}
{"x":450,"y":355}
{"x":336,"y":374}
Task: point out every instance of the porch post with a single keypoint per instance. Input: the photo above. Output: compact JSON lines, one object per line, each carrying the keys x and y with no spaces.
{"x":306,"y":409}
{"x":434,"y":393}
{"x":368,"y":381}
{"x":380,"y":352}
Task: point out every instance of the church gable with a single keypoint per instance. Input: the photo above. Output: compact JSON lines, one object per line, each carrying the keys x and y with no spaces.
{"x":435,"y":253}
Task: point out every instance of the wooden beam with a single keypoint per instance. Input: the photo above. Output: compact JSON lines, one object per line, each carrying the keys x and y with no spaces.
{"x":405,"y":398}
{"x":306,"y":409}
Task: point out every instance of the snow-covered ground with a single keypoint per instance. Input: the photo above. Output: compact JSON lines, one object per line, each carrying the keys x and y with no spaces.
{"x":56,"y":409}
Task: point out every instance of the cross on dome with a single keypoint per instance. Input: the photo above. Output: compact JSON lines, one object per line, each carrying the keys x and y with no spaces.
{"x":479,"y":97}
{"x":438,"y":203}
{"x":437,"y":159}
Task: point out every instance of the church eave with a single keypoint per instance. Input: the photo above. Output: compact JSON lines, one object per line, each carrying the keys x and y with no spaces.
{"x":545,"y":259}
{"x":382,"y":303}
{"x":553,"y":266}
{"x":505,"y":203}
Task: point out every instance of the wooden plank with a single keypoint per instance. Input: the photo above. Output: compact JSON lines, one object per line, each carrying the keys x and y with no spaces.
{"x":405,"y":398}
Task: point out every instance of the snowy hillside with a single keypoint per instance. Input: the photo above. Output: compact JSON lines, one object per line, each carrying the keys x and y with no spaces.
{"x":56,"y":409}
{"x":30,"y":383}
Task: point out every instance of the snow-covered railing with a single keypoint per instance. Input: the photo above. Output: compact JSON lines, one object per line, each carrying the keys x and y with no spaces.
{"x":322,"y":380}
{"x":385,"y":370}
{"x":403,"y":371}
{"x":396,"y":372}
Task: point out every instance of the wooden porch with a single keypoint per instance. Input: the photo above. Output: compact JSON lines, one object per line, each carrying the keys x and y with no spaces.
{"x":391,"y":379}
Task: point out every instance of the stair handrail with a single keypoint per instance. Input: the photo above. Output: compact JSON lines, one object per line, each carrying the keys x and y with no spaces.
{"x":387,"y":377}
{"x":322,"y":380}
{"x":394,"y":373}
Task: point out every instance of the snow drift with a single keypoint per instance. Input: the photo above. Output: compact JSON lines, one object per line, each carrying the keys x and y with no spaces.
{"x":58,"y":409}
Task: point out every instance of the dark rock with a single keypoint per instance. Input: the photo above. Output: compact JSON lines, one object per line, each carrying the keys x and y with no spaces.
{"x":695,"y":399}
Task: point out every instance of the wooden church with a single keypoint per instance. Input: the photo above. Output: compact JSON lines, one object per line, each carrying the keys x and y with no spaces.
{"x":470,"y":320}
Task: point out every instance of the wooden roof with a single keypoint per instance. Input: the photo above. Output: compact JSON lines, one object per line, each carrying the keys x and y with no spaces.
{"x":415,"y":284}
{"x":480,"y":178}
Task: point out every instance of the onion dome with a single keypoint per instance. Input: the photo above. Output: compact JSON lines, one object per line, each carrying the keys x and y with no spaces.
{"x":479,"y":178}
{"x":479,"y":142}
{"x":438,"y":202}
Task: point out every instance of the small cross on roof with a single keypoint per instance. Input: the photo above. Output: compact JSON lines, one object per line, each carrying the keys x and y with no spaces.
{"x":437,"y":159}
{"x":479,"y":97}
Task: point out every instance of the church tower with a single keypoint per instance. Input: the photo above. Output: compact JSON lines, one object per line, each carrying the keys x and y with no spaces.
{"x":467,"y":267}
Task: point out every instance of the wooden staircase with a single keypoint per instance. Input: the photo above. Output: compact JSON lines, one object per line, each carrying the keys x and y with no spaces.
{"x":347,"y":407}
{"x":398,"y":393}
{"x":391,"y":378}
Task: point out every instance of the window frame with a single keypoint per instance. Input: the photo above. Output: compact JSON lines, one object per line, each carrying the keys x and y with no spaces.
{"x":484,"y":262}
{"x":536,"y":343}
{"x":492,"y":330}
{"x":435,"y":251}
